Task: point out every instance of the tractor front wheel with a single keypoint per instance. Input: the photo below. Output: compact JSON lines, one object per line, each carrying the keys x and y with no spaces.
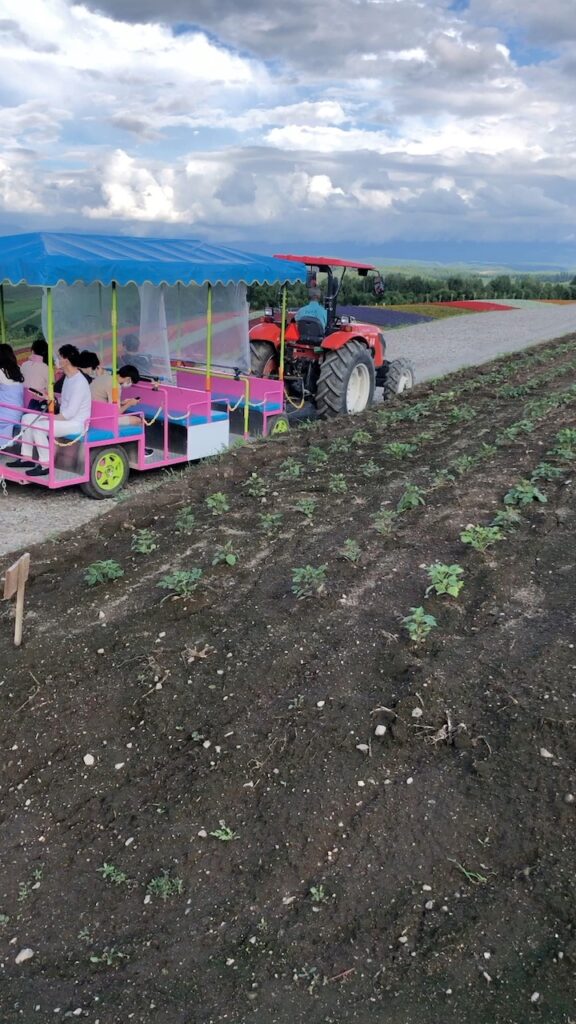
{"x":263,"y":359}
{"x":399,"y":377}
{"x":346,"y":381}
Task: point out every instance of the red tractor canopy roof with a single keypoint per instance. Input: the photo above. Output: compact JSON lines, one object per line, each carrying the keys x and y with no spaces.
{"x":324,"y":261}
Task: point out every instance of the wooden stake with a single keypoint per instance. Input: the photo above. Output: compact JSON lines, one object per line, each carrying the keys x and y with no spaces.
{"x":15,"y":583}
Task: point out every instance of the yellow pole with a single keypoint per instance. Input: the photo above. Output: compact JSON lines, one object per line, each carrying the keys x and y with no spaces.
{"x":282,"y":334}
{"x":114,"y":343}
{"x":50,"y":341}
{"x":209,"y":339}
{"x":2,"y":317}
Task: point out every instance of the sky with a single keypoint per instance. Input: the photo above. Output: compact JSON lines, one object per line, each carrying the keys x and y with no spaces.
{"x":343,"y":126}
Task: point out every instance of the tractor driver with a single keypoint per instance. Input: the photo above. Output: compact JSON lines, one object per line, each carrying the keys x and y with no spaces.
{"x":314,"y":308}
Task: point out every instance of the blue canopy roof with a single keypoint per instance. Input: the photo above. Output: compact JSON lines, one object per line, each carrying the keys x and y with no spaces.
{"x":46,"y":258}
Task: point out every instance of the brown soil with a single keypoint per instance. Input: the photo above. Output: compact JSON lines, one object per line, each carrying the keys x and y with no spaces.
{"x":441,"y":857}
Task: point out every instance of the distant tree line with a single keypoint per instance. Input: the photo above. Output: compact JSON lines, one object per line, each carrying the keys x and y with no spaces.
{"x":405,"y":288}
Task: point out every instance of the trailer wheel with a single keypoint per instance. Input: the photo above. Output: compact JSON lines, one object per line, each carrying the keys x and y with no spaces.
{"x":109,"y":471}
{"x":277,"y":425}
{"x":346,"y":381}
{"x":263,"y":359}
{"x":399,"y":377}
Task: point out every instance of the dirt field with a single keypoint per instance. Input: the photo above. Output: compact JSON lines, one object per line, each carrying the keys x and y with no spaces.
{"x":241,"y":806}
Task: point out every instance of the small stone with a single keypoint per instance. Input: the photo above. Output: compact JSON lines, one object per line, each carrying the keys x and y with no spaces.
{"x":320,"y":703}
{"x":207,"y":744}
{"x":24,"y":955}
{"x":403,"y":939}
{"x":487,"y":956}
{"x":119,"y":765}
{"x":535,"y":997}
{"x":78,"y":1012}
{"x":409,"y":781}
{"x":100,"y":650}
{"x":89,"y":760}
{"x":101,"y":615}
{"x":429,"y":905}
{"x":569,"y":798}
{"x":361,"y":783}
{"x":380,"y":730}
{"x":417,"y":713}
{"x":545,"y":753}
{"x":148,"y":898}
{"x":161,"y":635}
{"x":426,"y":888}
{"x":230,"y":961}
{"x":363,"y":748}
{"x":202,"y":833}
{"x":129,"y":841}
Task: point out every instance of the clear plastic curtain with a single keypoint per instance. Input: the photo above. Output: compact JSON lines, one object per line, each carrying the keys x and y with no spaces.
{"x":186,"y":309}
{"x":83,"y":317}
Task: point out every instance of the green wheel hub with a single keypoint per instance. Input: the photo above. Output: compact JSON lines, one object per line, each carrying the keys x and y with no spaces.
{"x":108,"y":471}
{"x":281,"y":426}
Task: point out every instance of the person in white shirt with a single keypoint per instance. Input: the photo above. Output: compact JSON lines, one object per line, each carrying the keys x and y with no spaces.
{"x":72,"y":420}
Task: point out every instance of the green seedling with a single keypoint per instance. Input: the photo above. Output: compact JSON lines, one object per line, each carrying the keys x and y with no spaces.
{"x":85,"y":935}
{"x":442,"y":477}
{"x":481,"y":537}
{"x":351,"y":550}
{"x":318,"y":894}
{"x":112,"y":874}
{"x":307,"y":506}
{"x":103,"y":572}
{"x":218,"y":503}
{"x":339,"y":446}
{"x":4,"y":919}
{"x":270,"y":521}
{"x":361,"y":437}
{"x":473,"y":876}
{"x":224,"y":833}
{"x":144,"y":542}
{"x":369,"y":468}
{"x":413,"y":497}
{"x":290,"y":469}
{"x":182,"y":582}
{"x":185,"y":519}
{"x":225,"y":554}
{"x":419,"y":624}
{"x":507,"y":518}
{"x":567,"y":436}
{"x":399,"y":449}
{"x":384,"y":521}
{"x":463,"y":464}
{"x":308,"y":580}
{"x":545,"y":471}
{"x":463,"y":414}
{"x":110,"y":956}
{"x":316,"y":456}
{"x":486,"y":451}
{"x":164,"y":886}
{"x":445,"y":579}
{"x":524,"y":493}
{"x":337,"y":483}
{"x":255,"y":486}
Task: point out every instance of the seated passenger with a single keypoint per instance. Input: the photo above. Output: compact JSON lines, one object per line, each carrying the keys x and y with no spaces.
{"x":101,"y":384}
{"x":72,"y":420}
{"x":130,"y":354}
{"x":35,"y":368}
{"x":11,"y":393}
{"x":313,"y":309}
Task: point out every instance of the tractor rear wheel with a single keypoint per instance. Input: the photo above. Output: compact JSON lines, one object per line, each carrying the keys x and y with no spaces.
{"x":346,"y":381}
{"x":399,"y":377}
{"x":263,"y":359}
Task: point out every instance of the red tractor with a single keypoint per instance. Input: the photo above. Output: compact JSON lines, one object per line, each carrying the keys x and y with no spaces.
{"x":336,"y":367}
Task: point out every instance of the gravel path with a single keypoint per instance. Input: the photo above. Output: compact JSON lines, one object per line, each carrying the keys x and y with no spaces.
{"x":29,"y":515}
{"x":443,"y":346}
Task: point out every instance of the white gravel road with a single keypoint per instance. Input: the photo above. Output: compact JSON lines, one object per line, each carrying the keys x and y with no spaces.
{"x":29,"y":515}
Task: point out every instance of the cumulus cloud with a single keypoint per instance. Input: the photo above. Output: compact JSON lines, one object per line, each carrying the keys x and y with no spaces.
{"x":363,"y":119}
